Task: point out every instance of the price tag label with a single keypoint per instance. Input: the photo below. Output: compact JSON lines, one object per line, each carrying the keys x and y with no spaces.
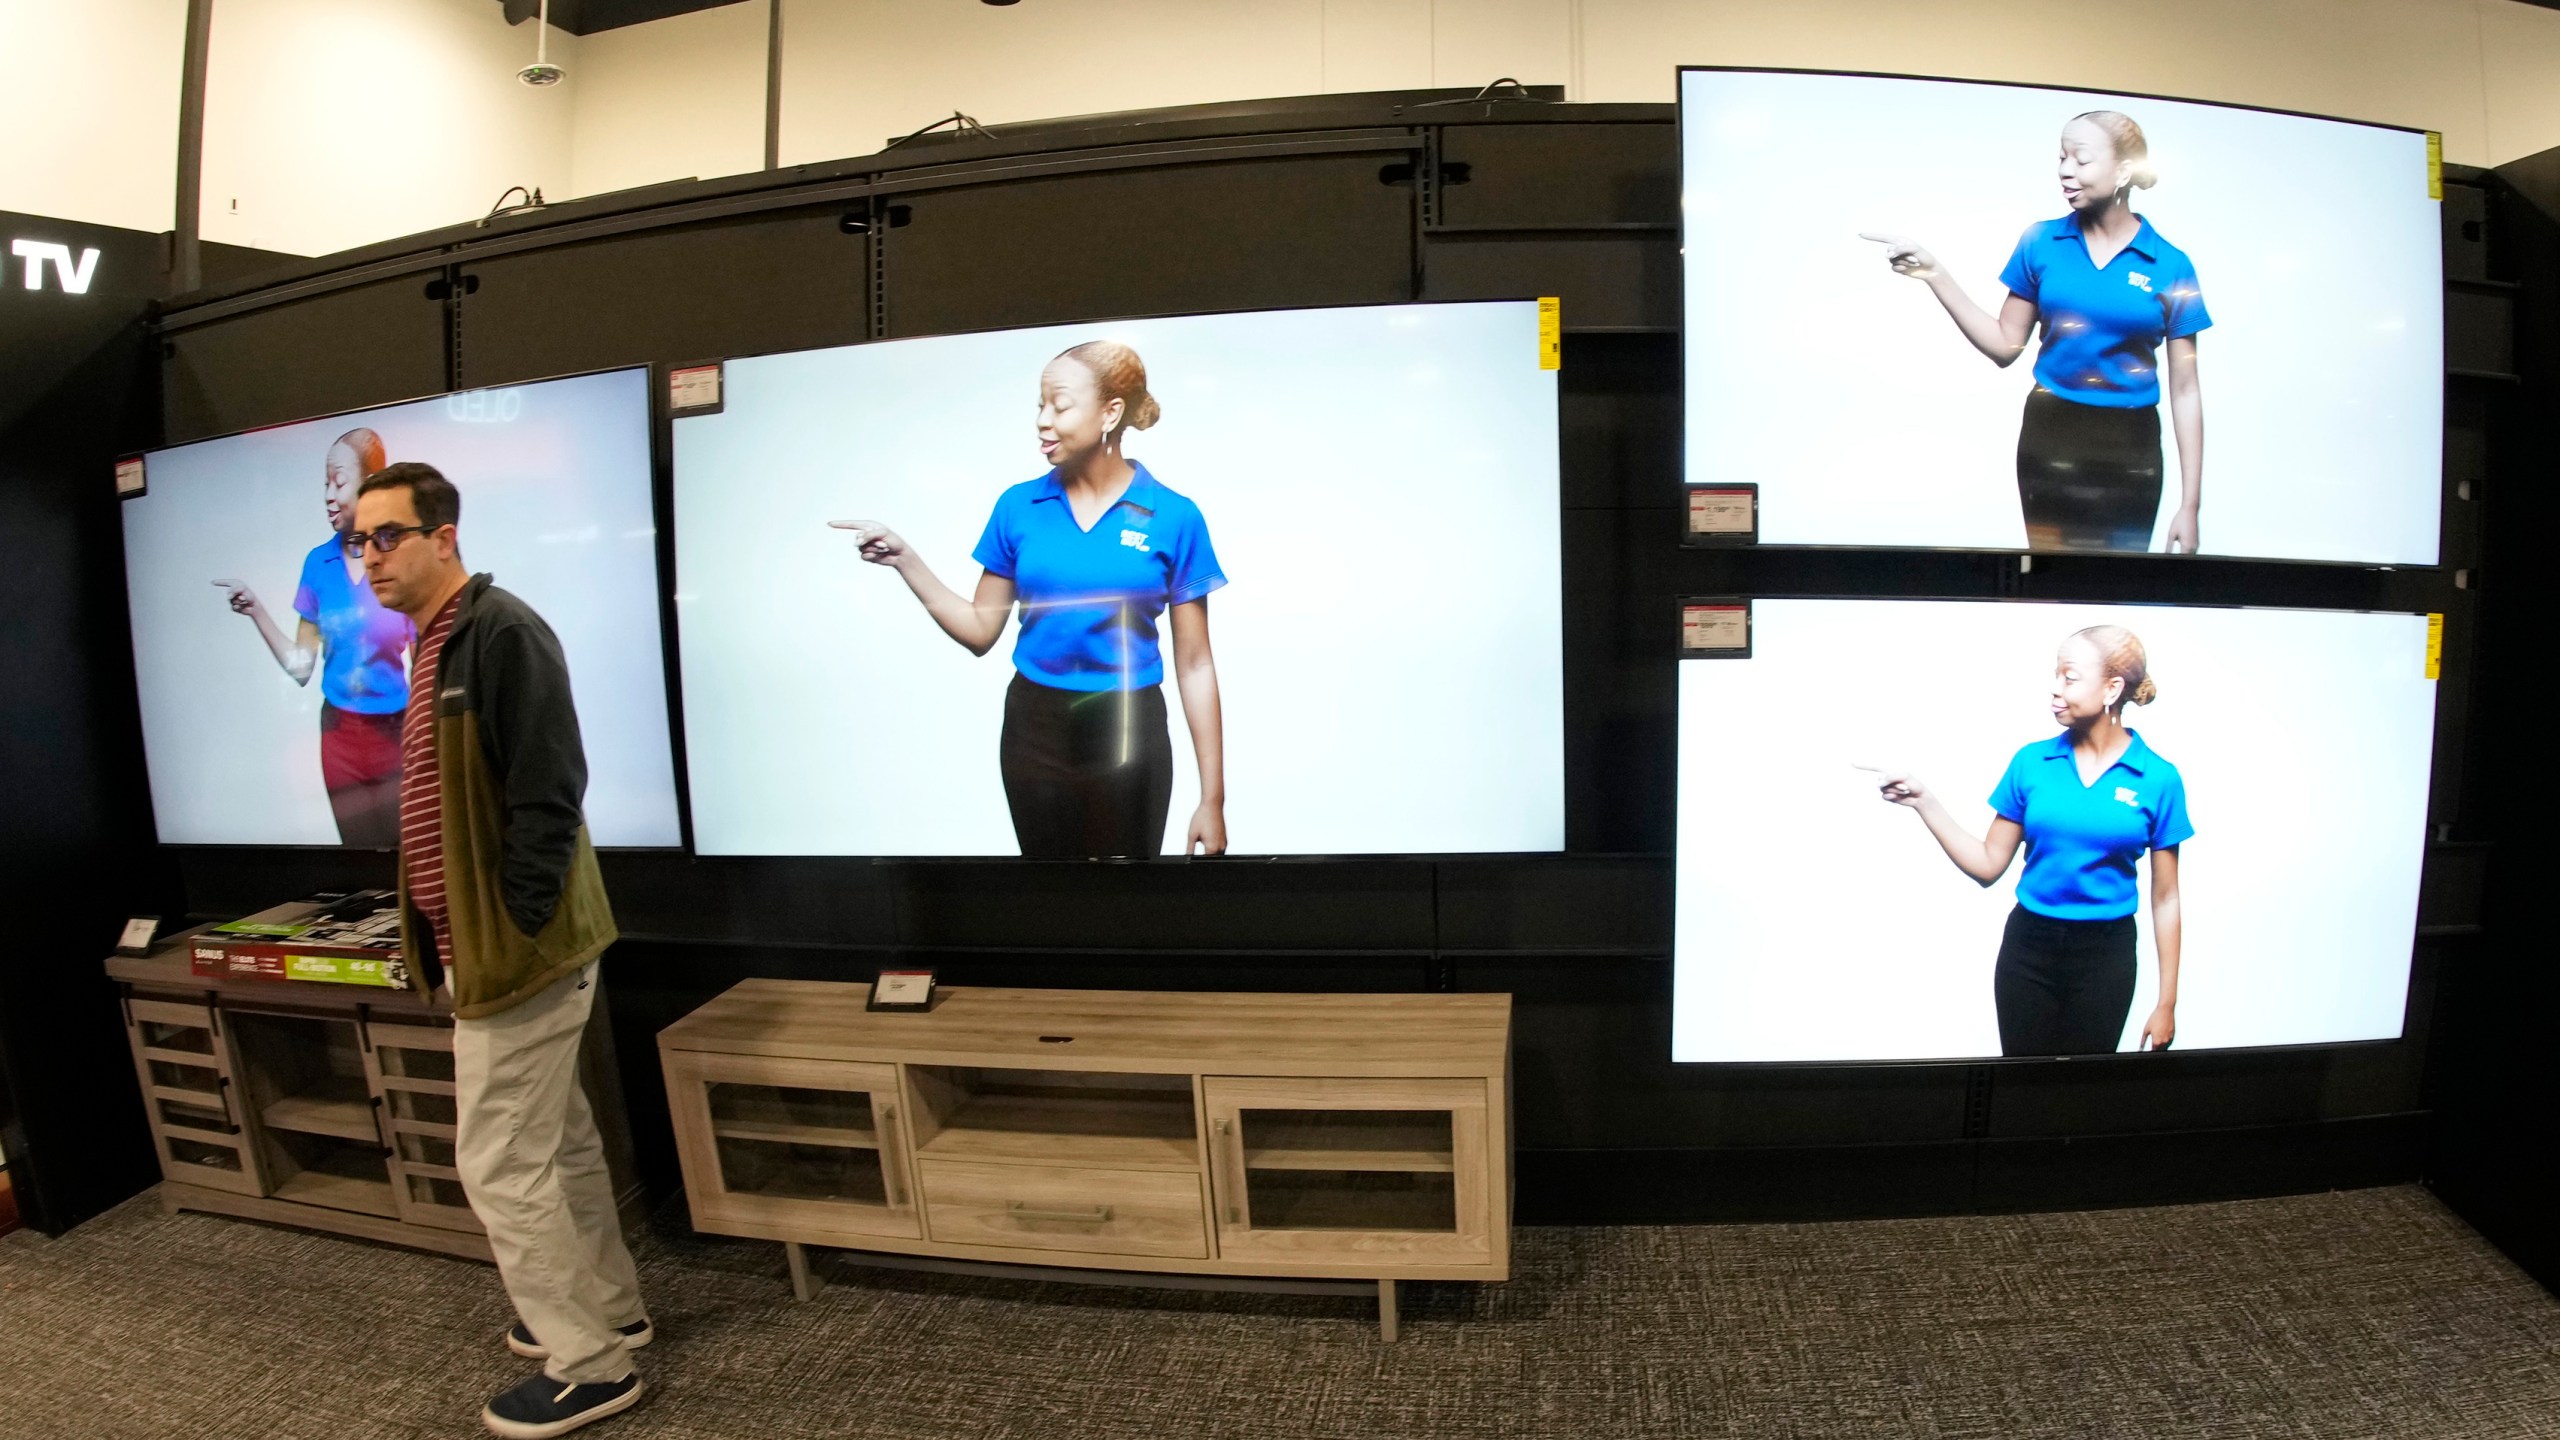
{"x":1550,"y":332}
{"x":131,"y":479}
{"x":2435,"y":645}
{"x":693,"y":390}
{"x":1722,"y":510}
{"x":1716,"y":628}
{"x":902,"y":990}
{"x":2435,"y":164}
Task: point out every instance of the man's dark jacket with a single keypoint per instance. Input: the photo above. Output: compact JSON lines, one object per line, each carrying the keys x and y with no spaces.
{"x":525,"y":902}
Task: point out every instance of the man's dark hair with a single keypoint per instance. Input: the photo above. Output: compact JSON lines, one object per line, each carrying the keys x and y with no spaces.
{"x":439,"y":504}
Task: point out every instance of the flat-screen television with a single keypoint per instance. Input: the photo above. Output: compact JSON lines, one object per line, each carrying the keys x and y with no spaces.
{"x":1278,"y":583}
{"x":273,"y":682}
{"x":1951,"y":314}
{"x":1907,"y":830}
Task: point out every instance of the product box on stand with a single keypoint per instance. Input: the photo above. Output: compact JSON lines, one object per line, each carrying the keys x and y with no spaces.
{"x":335,"y":938}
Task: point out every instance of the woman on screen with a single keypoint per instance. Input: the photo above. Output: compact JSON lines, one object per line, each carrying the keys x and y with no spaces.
{"x":1094,"y":550}
{"x":2109,"y":292}
{"x":360,"y":650}
{"x":2088,"y":803}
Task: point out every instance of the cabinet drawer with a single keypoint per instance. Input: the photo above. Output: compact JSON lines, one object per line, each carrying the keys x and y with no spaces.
{"x":1052,"y":1207}
{"x":172,"y":1012}
{"x":385,"y":1034}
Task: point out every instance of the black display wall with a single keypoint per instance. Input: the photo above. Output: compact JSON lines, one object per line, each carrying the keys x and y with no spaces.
{"x":76,"y":386}
{"x":1380,"y":200}
{"x":2494,"y":1088}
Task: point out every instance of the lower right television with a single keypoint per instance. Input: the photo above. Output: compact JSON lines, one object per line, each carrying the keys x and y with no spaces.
{"x":1954,"y":829}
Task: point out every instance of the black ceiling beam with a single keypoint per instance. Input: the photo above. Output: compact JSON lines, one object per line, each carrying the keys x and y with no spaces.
{"x":586,"y":17}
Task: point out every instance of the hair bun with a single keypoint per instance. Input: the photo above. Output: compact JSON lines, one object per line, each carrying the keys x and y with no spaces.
{"x":1118,"y":374}
{"x":2121,"y":657}
{"x":2131,"y":145}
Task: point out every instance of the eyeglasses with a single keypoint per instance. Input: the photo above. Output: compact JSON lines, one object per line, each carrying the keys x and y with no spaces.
{"x":386,"y":539}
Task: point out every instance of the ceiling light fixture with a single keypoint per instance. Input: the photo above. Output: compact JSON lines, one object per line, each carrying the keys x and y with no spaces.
{"x":542,"y":71}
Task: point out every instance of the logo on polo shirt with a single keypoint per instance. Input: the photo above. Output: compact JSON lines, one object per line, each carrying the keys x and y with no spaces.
{"x":2136,"y":277}
{"x":2127,"y":796}
{"x":1135,"y":540}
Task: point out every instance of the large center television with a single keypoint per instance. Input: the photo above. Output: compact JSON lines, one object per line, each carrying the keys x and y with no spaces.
{"x":1936,"y":313}
{"x":273,"y":684}
{"x":1358,"y":505}
{"x":1840,"y":782}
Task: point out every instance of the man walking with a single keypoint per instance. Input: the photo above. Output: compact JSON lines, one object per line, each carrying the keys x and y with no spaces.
{"x":501,"y":895}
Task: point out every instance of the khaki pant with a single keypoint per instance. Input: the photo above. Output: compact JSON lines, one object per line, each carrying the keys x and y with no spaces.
{"x":533,"y":1167}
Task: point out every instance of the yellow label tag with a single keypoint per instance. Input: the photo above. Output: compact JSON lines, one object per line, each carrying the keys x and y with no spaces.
{"x":2435,"y":645}
{"x":2435,"y":164}
{"x":1550,"y":333}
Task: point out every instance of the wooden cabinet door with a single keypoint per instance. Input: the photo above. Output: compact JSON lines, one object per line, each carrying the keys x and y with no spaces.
{"x":191,"y":1092}
{"x":1351,"y":1172}
{"x":791,"y":1149}
{"x":410,"y":1068}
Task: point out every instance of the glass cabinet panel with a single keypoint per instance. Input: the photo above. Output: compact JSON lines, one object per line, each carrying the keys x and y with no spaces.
{"x":796,"y":1142}
{"x":1316,"y":1169}
{"x":809,"y":1143}
{"x":410,"y":1068}
{"x":186,"y":1067}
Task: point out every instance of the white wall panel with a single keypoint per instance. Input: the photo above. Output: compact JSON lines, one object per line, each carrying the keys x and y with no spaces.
{"x":2520,"y":50}
{"x":860,"y":71}
{"x":1376,"y":45}
{"x":330,"y":125}
{"x":89,"y":103}
{"x":674,"y":98}
{"x":1476,"y":41}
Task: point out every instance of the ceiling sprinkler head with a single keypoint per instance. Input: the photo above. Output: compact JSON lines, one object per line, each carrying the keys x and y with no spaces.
{"x":542,"y":73}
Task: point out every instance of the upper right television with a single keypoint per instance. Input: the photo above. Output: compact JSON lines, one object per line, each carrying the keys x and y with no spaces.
{"x":1964,"y":315}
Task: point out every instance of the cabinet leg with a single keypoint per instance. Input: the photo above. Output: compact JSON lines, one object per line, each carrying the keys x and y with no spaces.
{"x":1387,"y":1311}
{"x":803,"y":1284}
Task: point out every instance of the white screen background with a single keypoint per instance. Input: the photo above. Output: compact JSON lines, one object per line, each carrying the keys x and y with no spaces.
{"x":1847,"y":394}
{"x":555,"y":482}
{"x":1817,"y":922}
{"x":1380,"y":485}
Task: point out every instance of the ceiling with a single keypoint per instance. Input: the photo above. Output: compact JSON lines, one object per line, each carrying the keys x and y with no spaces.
{"x":586,"y":17}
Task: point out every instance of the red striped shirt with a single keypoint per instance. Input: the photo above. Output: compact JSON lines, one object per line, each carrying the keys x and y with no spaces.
{"x":421,"y":799}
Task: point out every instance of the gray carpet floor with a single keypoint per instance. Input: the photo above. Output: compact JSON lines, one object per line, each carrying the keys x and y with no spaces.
{"x":2367,"y":1313}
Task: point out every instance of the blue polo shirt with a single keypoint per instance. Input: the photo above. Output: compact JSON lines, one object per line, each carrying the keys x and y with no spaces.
{"x":2103,"y":327}
{"x":1090,"y":598}
{"x":2083,"y":840}
{"x":363,"y":647}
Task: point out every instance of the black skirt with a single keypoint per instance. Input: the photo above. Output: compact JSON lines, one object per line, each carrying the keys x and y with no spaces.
{"x":1086,"y":772}
{"x":2063,"y":987}
{"x":2088,"y":475}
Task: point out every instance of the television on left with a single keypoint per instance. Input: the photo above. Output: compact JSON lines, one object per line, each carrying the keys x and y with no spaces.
{"x":272,"y":683}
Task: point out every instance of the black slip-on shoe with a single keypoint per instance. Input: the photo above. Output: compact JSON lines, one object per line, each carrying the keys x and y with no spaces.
{"x":520,"y":1338}
{"x":543,"y":1407}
